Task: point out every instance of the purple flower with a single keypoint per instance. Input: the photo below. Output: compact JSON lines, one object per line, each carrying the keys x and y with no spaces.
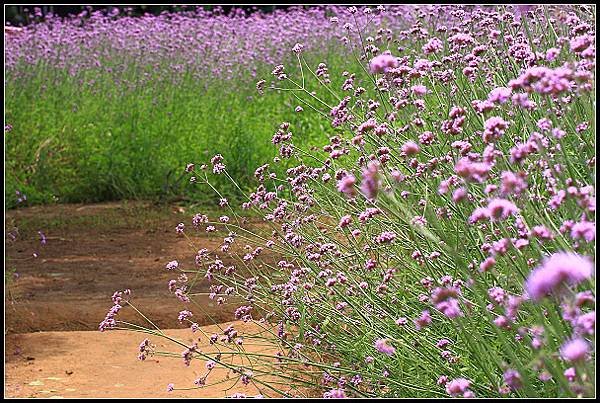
{"x":419,"y":90}
{"x":581,"y":43}
{"x":570,"y":374}
{"x":385,"y":237}
{"x":370,"y":180}
{"x":450,"y":308}
{"x":335,"y":394}
{"x":423,"y":320}
{"x":410,"y":148}
{"x":499,"y":95}
{"x":552,"y":53}
{"x":586,"y":323}
{"x":502,"y":321}
{"x":172,"y":265}
{"x":183,"y":315}
{"x":574,"y":350}
{"x":445,"y":301}
{"x":346,"y":185}
{"x":434,"y":45}
{"x":512,"y":184}
{"x":524,"y":9}
{"x":298,"y":48}
{"x":513,"y":379}
{"x":543,"y":80}
{"x":472,"y":171}
{"x":457,"y":386}
{"x":487,"y":264}
{"x":501,"y":209}
{"x":459,"y":195}
{"x":218,"y":166}
{"x":382,"y":346}
{"x":494,"y":128}
{"x":383,"y":63}
{"x":345,"y":221}
{"x":585,"y":230}
{"x":541,"y":232}
{"x":556,"y":270}
{"x":584,"y":297}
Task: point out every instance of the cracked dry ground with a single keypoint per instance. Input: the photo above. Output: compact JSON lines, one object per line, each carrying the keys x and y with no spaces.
{"x":54,"y":306}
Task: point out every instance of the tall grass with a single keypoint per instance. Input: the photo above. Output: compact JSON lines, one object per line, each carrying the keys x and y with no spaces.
{"x":78,"y":143}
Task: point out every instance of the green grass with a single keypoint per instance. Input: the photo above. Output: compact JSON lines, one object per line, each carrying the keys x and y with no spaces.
{"x":88,"y":143}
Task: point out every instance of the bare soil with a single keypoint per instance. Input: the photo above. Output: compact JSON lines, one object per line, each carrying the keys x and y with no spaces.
{"x":94,"y":250}
{"x":55,"y":301}
{"x":93,"y":364}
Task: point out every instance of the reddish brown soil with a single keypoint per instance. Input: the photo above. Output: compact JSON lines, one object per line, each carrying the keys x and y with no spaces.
{"x":94,"y":364}
{"x":92,"y":251}
{"x":54,"y":306}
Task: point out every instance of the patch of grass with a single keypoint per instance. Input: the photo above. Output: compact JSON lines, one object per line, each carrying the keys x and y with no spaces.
{"x":87,"y":138}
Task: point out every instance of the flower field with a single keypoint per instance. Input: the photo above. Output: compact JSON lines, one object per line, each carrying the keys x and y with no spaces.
{"x":113,"y":92}
{"x":424,"y":177}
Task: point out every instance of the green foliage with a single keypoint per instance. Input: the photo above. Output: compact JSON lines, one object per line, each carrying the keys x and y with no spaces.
{"x":74,"y":142}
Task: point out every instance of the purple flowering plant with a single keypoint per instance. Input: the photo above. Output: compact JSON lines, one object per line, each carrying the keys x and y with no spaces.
{"x":454,"y":201}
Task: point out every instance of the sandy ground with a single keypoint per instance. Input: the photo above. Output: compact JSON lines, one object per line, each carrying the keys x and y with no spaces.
{"x":94,"y":250}
{"x":54,"y":306}
{"x":94,"y":364}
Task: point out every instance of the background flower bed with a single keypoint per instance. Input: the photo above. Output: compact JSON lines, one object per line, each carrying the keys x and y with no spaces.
{"x":106,"y":106}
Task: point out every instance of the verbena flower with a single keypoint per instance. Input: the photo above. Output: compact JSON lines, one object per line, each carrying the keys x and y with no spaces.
{"x":559,"y":269}
{"x":383,"y":346}
{"x":457,"y":387}
{"x":383,"y":63}
{"x":575,"y":350}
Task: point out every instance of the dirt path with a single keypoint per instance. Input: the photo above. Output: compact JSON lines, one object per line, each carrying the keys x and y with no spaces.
{"x":53,"y":348}
{"x":92,"y":251}
{"x":94,"y":364}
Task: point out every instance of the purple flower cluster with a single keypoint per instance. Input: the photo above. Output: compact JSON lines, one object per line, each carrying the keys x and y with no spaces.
{"x":118,"y":298}
{"x":556,"y":271}
{"x":197,"y":41}
{"x":383,"y":346}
